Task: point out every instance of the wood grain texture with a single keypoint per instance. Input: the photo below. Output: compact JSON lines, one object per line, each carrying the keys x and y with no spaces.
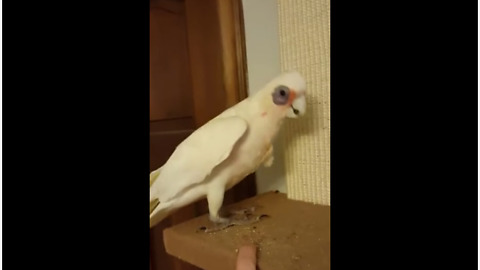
{"x":171,"y":108}
{"x":171,"y":6}
{"x":205,"y":52}
{"x":164,"y":137}
{"x":233,"y":50}
{"x":296,"y":235}
{"x":217,"y":53}
{"x":170,"y":85}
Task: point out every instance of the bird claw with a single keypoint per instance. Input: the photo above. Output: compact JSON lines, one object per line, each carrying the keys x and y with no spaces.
{"x":245,"y":211}
{"x":238,"y":217}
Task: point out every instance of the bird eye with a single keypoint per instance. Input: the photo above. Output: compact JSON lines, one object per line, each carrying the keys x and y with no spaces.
{"x":280,"y":95}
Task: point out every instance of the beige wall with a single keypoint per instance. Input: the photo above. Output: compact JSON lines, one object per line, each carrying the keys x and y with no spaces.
{"x":263,"y":59}
{"x":294,"y":35}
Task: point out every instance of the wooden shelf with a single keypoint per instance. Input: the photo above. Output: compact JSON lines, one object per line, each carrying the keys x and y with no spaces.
{"x":296,"y":235}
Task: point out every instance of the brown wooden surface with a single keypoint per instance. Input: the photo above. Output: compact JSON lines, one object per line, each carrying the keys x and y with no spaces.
{"x":296,"y":235}
{"x":207,"y":69}
{"x":195,"y":73}
{"x":170,"y":85}
{"x":217,"y":43}
{"x":171,"y":106}
{"x":233,"y":49}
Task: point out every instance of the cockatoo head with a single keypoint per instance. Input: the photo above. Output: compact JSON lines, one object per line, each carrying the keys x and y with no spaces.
{"x":286,"y":94}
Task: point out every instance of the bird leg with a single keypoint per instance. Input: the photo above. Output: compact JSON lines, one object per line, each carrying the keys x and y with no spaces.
{"x":215,"y":200}
{"x":267,"y":159}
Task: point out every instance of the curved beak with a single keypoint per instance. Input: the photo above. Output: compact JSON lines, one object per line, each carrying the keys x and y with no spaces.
{"x":298,"y":106}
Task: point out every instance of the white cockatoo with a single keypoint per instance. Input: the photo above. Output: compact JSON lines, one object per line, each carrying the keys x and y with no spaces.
{"x":226,"y":149}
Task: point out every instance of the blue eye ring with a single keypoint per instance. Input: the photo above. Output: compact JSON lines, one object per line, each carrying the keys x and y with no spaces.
{"x":280,"y":95}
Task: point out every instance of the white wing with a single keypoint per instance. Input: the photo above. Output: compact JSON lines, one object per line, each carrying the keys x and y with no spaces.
{"x":195,"y":158}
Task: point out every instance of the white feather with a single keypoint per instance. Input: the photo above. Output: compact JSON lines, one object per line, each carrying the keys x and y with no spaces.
{"x":194,"y":159}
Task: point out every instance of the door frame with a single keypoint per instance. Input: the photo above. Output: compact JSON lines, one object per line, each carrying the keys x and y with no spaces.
{"x":216,"y":38}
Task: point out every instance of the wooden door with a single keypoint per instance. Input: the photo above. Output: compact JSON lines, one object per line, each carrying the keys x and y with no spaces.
{"x":197,"y":68}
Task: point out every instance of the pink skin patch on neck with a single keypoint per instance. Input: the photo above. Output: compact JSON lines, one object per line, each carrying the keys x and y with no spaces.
{"x":264,"y":114}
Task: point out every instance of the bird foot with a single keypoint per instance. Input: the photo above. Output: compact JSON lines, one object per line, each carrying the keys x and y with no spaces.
{"x":237,"y":217}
